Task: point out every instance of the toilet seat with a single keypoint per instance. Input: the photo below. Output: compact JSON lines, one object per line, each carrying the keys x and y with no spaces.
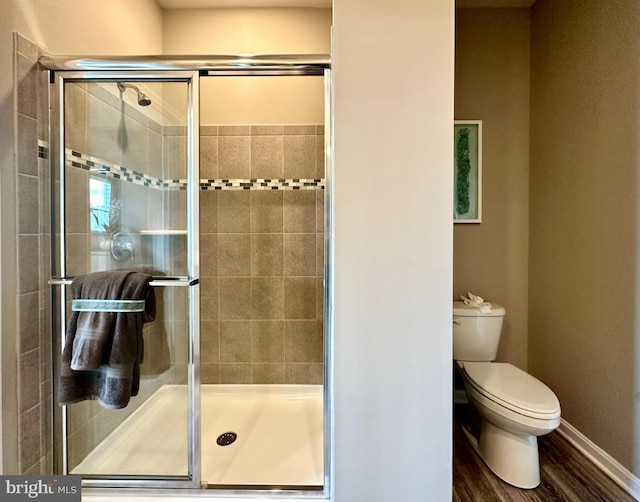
{"x":513,"y":389}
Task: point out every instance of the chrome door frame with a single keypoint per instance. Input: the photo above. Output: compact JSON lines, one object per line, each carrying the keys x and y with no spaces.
{"x":163,"y":67}
{"x":191,"y":78}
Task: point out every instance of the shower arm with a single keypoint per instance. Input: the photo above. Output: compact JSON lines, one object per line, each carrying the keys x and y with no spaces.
{"x":143,"y":99}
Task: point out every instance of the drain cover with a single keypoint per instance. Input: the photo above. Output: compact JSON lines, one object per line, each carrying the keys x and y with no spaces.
{"x":226,"y":439}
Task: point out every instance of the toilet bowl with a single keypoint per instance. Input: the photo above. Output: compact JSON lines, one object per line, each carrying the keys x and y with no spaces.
{"x":515,"y":407}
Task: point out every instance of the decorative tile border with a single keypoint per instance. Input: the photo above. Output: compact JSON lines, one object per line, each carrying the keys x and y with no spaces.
{"x":99,"y":166}
{"x":263,"y":184}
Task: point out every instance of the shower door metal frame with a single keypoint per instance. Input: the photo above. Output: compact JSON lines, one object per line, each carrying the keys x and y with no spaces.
{"x":174,"y":68}
{"x":191,"y":281}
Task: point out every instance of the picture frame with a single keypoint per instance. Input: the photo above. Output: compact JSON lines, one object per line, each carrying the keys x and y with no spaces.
{"x":467,"y":171}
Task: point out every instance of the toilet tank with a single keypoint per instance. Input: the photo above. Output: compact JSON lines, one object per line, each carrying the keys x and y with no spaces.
{"x":476,"y":335}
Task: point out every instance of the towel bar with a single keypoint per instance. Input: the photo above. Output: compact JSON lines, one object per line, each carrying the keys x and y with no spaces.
{"x":157,"y":281}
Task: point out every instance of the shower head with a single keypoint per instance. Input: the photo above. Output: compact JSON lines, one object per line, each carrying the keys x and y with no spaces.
{"x":143,"y":99}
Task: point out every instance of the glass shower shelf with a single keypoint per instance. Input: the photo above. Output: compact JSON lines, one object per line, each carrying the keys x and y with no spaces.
{"x":163,"y":232}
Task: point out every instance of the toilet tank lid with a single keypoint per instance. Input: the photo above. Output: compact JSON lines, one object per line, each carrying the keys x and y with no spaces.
{"x":462,"y":310}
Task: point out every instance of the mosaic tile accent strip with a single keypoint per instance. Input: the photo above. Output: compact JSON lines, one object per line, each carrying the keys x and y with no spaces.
{"x":99,"y":166}
{"x":263,"y":184}
{"x":88,"y":163}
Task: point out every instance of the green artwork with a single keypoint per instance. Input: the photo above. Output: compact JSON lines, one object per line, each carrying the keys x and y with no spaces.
{"x":464,"y":167}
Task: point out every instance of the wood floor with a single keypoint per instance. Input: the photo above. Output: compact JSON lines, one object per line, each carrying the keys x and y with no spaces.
{"x":566,"y":474}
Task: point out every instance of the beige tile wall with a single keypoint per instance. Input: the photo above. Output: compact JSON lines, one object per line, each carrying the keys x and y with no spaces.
{"x":32,"y":194}
{"x":262,"y":257}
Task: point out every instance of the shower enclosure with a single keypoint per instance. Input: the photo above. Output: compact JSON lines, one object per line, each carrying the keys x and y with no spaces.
{"x":232,"y":220}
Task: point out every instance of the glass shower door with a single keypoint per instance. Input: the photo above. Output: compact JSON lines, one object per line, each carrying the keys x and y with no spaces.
{"x":125,"y":200}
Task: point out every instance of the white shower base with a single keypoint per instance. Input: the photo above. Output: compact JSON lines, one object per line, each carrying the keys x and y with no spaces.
{"x":279,"y":443}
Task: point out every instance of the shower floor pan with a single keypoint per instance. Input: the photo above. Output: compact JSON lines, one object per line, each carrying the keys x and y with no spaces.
{"x":278,"y":428}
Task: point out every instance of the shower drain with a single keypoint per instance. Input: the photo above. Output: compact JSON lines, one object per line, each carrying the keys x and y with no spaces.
{"x":226,"y":438}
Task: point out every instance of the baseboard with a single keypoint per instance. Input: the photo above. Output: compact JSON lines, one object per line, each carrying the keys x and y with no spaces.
{"x":609,"y":465}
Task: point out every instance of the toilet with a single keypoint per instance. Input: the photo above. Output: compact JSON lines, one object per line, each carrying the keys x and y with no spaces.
{"x":515,"y":408}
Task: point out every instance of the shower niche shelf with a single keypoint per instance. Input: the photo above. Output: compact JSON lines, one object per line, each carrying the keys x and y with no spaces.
{"x":163,"y":232}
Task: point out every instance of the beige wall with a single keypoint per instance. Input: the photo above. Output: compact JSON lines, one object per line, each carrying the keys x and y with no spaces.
{"x":393,"y":249}
{"x":492,"y":85}
{"x":247,"y":31}
{"x":583,"y":322}
{"x":81,"y":27}
{"x":267,"y":100}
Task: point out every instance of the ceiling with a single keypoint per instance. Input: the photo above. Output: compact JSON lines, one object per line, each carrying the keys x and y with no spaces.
{"x":240,"y":4}
{"x":243,"y":4}
{"x":494,"y":3}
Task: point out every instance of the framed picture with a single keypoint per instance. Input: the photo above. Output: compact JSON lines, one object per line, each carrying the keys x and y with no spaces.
{"x":467,"y":183}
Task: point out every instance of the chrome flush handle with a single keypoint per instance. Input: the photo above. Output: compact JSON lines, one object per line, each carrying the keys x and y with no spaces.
{"x":457,"y":321}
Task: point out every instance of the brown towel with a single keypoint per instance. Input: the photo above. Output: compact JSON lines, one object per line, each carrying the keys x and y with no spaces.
{"x":103,"y":350}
